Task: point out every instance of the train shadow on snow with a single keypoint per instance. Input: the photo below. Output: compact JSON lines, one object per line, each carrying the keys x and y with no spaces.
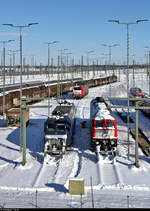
{"x":34,"y":138}
{"x":121,"y":117}
{"x":82,"y":140}
{"x":68,"y":96}
{"x":57,"y":187}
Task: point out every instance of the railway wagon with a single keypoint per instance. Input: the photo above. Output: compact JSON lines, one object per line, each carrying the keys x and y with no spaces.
{"x":58,"y":129}
{"x":80,"y":91}
{"x":30,"y":90}
{"x":103,"y":126}
{"x":13,"y":117}
{"x":112,"y":79}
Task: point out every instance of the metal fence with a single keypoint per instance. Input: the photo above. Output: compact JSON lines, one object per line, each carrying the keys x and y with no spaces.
{"x":101,"y":199}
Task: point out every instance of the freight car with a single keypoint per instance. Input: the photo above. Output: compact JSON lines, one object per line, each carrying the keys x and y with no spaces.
{"x":58,"y":129}
{"x":103,"y":126}
{"x":13,"y":117}
{"x":39,"y":89}
{"x":80,"y":91}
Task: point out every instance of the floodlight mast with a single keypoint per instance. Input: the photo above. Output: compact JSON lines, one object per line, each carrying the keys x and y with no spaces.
{"x":110,"y":46}
{"x":148,"y":63}
{"x":127,"y":74}
{"x":21,"y":68}
{"x":49,"y":43}
{"x":4,"y":42}
{"x":13,"y":53}
{"x":87,"y":53}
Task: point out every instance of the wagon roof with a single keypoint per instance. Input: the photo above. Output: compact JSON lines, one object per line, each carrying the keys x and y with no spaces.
{"x":62,"y":109}
{"x":101,"y":112}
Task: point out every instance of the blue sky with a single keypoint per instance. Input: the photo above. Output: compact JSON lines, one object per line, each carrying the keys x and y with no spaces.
{"x":79,"y":25}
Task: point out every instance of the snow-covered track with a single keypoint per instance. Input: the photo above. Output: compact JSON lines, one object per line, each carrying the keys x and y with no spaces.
{"x":143,"y":131}
{"x":142,"y":140}
{"x":46,"y":173}
{"x":108,"y":172}
{"x":109,"y":175}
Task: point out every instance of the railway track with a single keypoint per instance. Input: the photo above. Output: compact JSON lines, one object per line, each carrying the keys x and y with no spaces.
{"x":52,"y":172}
{"x":85,"y":157}
{"x":107,"y":169}
{"x":46,"y":173}
{"x":143,"y":140}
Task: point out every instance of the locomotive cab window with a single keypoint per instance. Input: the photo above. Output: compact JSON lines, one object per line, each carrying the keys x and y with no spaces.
{"x":61,"y":127}
{"x":77,"y":88}
{"x":109,"y":124}
{"x":51,"y":127}
{"x":99,"y":124}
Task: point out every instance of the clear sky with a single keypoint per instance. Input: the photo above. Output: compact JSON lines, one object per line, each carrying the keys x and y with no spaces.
{"x":79,"y":25}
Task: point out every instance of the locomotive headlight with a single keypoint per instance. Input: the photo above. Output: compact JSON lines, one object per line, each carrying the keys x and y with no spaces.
{"x":105,"y":142}
{"x":47,"y":137}
{"x":60,"y":140}
{"x":112,"y":142}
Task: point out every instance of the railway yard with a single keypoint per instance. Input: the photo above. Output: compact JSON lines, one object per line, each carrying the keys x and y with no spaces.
{"x":115,"y":181}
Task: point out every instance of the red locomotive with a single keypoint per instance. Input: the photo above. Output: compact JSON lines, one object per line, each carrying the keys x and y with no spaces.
{"x":103,"y":126}
{"x":137,"y":92}
{"x":80,"y":91}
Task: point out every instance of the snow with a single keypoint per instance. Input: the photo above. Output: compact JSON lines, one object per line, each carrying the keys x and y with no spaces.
{"x":116,"y":184}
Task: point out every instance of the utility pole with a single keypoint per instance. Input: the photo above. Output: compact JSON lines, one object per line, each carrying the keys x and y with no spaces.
{"x":58,"y":78}
{"x":148,"y":66}
{"x":14,"y":69}
{"x":67,"y":65}
{"x":127,"y":72}
{"x":21,"y":69}
{"x":82,"y":68}
{"x":88,"y":65}
{"x":49,"y":43}
{"x":10,"y":65}
{"x":4,"y":116}
{"x":137,"y":108}
{"x":109,"y":48}
{"x":72,"y":72}
{"x":133,"y":73}
{"x":61,"y":65}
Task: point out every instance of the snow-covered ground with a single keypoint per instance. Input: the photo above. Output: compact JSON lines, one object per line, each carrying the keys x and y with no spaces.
{"x":112,"y":185}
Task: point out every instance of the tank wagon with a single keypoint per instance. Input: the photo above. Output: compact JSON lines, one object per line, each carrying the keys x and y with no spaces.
{"x":58,"y":129}
{"x":103,"y":126}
